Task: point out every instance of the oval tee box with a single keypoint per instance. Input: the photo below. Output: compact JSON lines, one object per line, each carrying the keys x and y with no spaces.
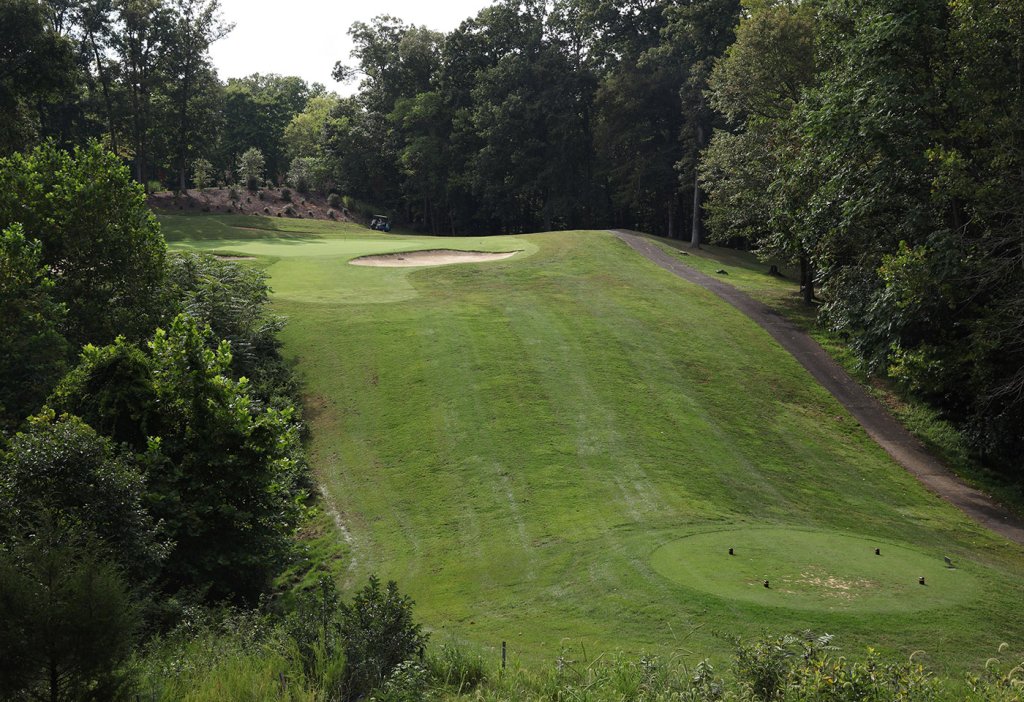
{"x":815,"y":570}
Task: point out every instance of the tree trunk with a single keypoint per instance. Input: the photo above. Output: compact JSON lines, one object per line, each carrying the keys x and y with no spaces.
{"x":697,"y":231}
{"x":806,"y":279}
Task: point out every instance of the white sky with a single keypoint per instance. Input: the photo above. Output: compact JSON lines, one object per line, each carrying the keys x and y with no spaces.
{"x":306,"y":37}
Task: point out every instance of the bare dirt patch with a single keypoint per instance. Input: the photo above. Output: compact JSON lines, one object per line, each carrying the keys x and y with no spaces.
{"x":267,"y":202}
{"x":432,"y":257}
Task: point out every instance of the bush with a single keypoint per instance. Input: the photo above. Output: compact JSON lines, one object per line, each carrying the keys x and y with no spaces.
{"x":334,"y":200}
{"x":331,"y":214}
{"x":154,"y":186}
{"x":289,"y":210}
{"x":250,"y":168}
{"x":286,"y":195}
{"x":378,"y":634}
{"x":202,"y":173}
{"x":233,"y":194}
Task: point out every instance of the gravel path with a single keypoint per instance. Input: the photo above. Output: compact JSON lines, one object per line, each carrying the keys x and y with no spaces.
{"x":908,"y":451}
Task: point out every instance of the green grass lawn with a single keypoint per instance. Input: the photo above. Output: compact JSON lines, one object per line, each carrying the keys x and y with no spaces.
{"x":532,"y":447}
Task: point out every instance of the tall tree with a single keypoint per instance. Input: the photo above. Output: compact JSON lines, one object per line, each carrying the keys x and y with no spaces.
{"x":756,"y":85}
{"x":96,"y":234}
{"x":140,"y":43}
{"x":192,"y":84}
{"x":36,"y":66}
{"x":698,"y":32}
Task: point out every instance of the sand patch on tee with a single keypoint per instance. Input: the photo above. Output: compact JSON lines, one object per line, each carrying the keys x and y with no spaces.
{"x":432,"y":257}
{"x":234,"y":258}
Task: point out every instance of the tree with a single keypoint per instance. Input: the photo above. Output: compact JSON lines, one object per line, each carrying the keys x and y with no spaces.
{"x":754,"y":191}
{"x":191,"y":81}
{"x":700,"y":31}
{"x":257,"y":109}
{"x":61,"y":469}
{"x":32,"y":349}
{"x":37,"y":66}
{"x":202,"y":173}
{"x":233,"y":300}
{"x":96,"y":233}
{"x":140,"y":44}
{"x":303,"y":135}
{"x":227,"y":471}
{"x":867,"y":128}
{"x":378,"y":633}
{"x":250,"y":168}
{"x":68,"y":621}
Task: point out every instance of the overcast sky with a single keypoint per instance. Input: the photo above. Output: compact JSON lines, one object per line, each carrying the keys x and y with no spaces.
{"x":306,"y":37}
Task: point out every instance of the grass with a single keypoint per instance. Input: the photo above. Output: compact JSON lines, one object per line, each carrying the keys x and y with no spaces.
{"x":782,"y":294}
{"x":517,"y":442}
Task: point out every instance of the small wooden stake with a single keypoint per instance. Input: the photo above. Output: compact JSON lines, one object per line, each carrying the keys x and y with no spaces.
{"x":502,"y":655}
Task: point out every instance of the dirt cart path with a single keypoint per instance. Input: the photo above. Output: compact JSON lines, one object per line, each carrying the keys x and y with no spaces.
{"x":908,"y":451}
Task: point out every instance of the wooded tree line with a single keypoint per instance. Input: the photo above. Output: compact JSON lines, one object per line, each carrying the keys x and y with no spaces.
{"x":136,"y":75}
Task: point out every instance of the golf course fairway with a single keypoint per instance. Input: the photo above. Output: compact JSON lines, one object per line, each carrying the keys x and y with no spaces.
{"x":558,"y":448}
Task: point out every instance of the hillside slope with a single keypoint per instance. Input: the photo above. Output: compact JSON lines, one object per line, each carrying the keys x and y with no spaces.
{"x":530,"y":447}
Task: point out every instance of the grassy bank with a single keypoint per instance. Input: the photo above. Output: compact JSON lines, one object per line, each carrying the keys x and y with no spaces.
{"x":514,"y":442}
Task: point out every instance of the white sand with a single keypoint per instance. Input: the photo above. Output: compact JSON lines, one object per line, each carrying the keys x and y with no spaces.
{"x":433,"y":257}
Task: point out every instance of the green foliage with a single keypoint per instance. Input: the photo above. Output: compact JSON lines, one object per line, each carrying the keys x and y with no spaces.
{"x":96,"y":233}
{"x":224,"y":469}
{"x":379,"y":634}
{"x":32,"y":349}
{"x":224,"y":655}
{"x":67,"y":619}
{"x":233,"y":300}
{"x":456,"y":669}
{"x":111,"y":389}
{"x":39,"y":68}
{"x":805,"y":669}
{"x":307,"y":173}
{"x":334,"y":200}
{"x":251,"y":167}
{"x":202,"y":173}
{"x":60,"y":468}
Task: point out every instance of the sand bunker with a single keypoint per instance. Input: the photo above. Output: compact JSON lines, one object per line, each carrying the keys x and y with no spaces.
{"x":234,"y":258}
{"x":433,"y":257}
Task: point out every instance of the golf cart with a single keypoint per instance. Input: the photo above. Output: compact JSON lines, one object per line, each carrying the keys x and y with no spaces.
{"x":381,"y":223}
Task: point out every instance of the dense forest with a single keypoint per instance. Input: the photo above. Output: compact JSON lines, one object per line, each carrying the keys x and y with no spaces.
{"x":875,"y":146}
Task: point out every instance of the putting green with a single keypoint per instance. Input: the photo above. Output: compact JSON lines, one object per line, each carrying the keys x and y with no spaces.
{"x":814,"y":570}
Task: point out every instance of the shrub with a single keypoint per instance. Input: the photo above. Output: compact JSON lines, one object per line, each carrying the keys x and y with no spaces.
{"x":233,"y":194}
{"x":250,"y":167}
{"x":286,"y":195}
{"x":266,"y":210}
{"x":154,"y":186}
{"x":289,"y":210}
{"x":202,"y":173}
{"x":378,"y":634}
{"x":334,"y":200}
{"x":331,"y":214}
